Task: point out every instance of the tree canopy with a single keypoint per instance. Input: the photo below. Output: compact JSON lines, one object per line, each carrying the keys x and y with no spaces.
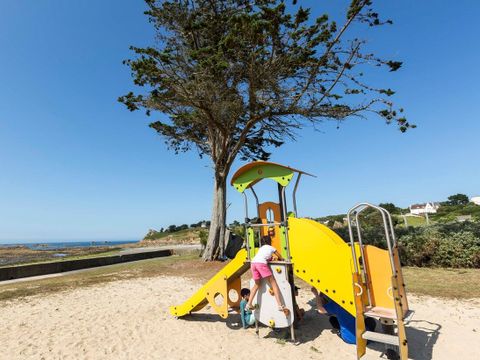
{"x":458,"y":199}
{"x":236,"y":77}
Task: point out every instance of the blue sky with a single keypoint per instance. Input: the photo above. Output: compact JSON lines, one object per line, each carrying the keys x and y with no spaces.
{"x":76,"y":165}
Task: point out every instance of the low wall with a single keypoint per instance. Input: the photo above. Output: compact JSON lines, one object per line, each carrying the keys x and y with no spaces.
{"x":21,"y":271}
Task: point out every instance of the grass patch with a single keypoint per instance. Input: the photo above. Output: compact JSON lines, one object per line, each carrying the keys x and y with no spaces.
{"x":112,"y":252}
{"x":447,"y":283}
{"x":412,"y":221}
{"x":105,"y":274}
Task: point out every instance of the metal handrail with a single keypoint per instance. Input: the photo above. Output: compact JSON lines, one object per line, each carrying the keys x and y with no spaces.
{"x":294,"y":195}
{"x":246,"y":226}
{"x":285,"y":221}
{"x":360,"y":243}
{"x":388,"y":226}
{"x":256,"y":201}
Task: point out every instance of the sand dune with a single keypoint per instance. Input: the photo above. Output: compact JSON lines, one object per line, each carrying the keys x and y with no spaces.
{"x":129,"y":320}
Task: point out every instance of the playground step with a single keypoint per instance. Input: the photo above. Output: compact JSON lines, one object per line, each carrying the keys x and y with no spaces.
{"x":381,"y":338}
{"x":380,"y":312}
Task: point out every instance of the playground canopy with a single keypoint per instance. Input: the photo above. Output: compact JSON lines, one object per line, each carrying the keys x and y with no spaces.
{"x":250,"y":174}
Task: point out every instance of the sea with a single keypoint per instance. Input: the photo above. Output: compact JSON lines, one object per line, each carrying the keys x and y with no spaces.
{"x":68,"y":244}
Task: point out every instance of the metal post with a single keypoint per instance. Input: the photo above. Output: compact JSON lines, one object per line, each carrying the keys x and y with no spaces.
{"x":285,"y":221}
{"x":295,"y":194}
{"x":247,"y":222}
{"x":362,"y":254}
{"x":256,"y":200}
{"x":352,"y":239}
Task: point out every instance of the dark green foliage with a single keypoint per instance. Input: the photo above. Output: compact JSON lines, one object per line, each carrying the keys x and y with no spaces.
{"x":391,"y":208}
{"x":449,"y":213}
{"x":449,"y":245}
{"x":442,"y":245}
{"x":231,"y":74}
{"x":203,"y":235}
{"x":458,"y":199}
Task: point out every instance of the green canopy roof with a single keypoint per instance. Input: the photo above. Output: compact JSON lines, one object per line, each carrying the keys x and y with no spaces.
{"x":250,"y":174}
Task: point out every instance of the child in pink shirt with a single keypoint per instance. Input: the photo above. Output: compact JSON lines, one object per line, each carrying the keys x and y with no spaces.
{"x":261,"y":270}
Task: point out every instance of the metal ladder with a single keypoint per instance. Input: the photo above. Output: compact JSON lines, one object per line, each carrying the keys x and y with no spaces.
{"x":392,"y":320}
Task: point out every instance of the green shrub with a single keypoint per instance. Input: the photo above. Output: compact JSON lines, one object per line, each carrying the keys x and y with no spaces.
{"x":444,"y":245}
{"x":203,"y":235}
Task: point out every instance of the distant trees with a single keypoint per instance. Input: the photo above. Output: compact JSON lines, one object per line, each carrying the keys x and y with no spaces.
{"x":458,"y":199}
{"x":391,"y":208}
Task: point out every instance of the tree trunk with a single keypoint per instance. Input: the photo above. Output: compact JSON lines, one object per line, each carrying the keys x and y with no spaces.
{"x":216,"y":234}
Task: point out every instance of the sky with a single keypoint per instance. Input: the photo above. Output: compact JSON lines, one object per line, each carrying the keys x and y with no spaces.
{"x":76,"y":165}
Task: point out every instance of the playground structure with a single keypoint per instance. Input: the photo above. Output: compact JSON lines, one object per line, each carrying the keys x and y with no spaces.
{"x":361,"y":281}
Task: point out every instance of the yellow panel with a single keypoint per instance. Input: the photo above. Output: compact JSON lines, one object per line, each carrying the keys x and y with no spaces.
{"x":380,"y":275}
{"x":262,"y":210}
{"x":400,"y":280}
{"x":322,"y":259}
{"x":402,"y":334}
{"x":234,"y":269}
{"x":235,"y":284}
{"x":359,"y":319}
{"x":218,"y":288}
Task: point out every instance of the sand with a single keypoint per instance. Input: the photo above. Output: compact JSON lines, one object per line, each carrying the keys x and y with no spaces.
{"x":128,"y":319}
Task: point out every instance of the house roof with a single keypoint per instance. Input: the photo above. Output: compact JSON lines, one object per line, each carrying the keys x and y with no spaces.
{"x":418,"y":206}
{"x":423,"y":206}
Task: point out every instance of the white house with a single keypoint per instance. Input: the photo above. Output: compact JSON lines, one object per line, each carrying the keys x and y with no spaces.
{"x":429,"y":207}
{"x":475,"y":200}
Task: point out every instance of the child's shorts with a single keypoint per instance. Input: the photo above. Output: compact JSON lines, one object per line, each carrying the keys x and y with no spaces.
{"x":260,"y":271}
{"x":250,"y":319}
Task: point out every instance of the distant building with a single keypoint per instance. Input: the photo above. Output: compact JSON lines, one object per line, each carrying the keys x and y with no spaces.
{"x":475,"y":200}
{"x":427,"y":208}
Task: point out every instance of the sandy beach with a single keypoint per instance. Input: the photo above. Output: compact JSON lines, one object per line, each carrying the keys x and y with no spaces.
{"x":129,"y":319}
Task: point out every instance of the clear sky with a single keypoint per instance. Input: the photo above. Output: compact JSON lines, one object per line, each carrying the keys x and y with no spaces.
{"x":75,"y":164}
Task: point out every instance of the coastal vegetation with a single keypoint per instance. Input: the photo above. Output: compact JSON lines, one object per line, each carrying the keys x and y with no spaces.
{"x":451,"y":239}
{"x":22,"y":255}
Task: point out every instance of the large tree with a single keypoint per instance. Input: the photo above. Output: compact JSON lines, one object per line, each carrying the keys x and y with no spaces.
{"x":236,"y":77}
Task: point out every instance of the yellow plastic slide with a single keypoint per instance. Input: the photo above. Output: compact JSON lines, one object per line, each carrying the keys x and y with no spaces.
{"x":217,"y":286}
{"x":319,"y":256}
{"x":322,"y":259}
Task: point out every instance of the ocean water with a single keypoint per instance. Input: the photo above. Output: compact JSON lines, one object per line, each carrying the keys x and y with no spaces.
{"x":68,"y":244}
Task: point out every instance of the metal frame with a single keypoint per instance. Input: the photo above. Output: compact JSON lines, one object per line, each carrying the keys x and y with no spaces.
{"x":294,"y":195}
{"x":283,"y":223}
{"x":389,"y":236}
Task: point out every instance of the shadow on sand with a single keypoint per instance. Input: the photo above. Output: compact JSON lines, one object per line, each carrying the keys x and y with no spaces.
{"x":421,"y":334}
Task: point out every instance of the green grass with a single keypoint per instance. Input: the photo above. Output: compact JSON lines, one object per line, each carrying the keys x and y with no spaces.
{"x":412,"y":221}
{"x":138,"y":269}
{"x":447,"y":283}
{"x":112,"y":252}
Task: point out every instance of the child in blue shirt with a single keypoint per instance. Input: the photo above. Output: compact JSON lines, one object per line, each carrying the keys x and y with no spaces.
{"x":245,"y":314}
